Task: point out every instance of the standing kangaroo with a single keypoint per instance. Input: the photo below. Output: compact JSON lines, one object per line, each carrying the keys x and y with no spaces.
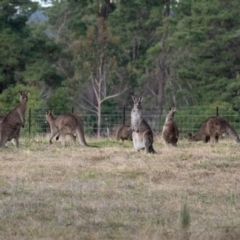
{"x":212,"y":128}
{"x":170,"y":130}
{"x":14,"y":141}
{"x":66,"y":124}
{"x":10,"y":124}
{"x":142,"y":133}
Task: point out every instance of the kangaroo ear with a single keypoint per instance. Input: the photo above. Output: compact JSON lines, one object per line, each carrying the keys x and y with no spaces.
{"x":20,"y":92}
{"x":27,"y":92}
{"x":48,"y":112}
{"x":133,"y":97}
{"x":140,"y":99}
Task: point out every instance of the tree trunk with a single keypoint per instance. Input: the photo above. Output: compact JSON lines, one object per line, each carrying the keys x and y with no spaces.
{"x":99,"y":120}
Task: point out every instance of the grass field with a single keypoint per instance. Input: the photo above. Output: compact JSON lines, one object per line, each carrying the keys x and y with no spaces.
{"x":113,"y":192}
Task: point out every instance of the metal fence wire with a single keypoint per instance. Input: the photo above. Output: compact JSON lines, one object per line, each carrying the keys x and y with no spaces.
{"x":188,"y":119}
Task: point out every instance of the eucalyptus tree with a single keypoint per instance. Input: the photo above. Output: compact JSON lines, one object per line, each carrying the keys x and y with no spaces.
{"x":143,"y":30}
{"x":93,"y":75}
{"x":207,"y":38}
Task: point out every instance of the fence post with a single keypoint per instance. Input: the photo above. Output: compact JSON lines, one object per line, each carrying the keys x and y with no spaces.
{"x":72,"y":109}
{"x":217,"y":111}
{"x":29,"y":121}
{"x":124,"y":115}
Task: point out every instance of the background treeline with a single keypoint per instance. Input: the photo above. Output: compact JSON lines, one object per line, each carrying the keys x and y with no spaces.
{"x":93,"y":55}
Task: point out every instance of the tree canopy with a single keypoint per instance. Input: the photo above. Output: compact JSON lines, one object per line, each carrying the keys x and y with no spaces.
{"x":91,"y":54}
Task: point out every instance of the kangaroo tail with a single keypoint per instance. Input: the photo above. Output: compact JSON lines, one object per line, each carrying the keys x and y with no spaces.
{"x":233,"y":133}
{"x":82,"y":139}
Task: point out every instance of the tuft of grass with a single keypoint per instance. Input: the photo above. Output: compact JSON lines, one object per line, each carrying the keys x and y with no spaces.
{"x":185,"y":219}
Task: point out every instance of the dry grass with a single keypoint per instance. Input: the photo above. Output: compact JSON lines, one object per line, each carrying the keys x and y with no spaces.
{"x":113,"y":192}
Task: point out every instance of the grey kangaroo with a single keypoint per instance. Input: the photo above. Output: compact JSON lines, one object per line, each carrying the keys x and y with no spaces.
{"x":66,"y":124}
{"x":212,"y":128}
{"x":124,"y":132}
{"x":170,"y":130}
{"x":142,"y":133}
{"x":14,"y":138}
{"x":11,"y":124}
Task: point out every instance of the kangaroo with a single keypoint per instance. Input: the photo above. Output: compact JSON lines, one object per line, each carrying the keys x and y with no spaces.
{"x":14,"y":141}
{"x":212,"y":128}
{"x":10,"y":124}
{"x":124,"y":132}
{"x":170,"y":130}
{"x":136,"y":114}
{"x":64,"y":124}
{"x":142,"y":133}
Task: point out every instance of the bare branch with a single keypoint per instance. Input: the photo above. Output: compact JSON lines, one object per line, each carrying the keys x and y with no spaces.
{"x":90,"y":103}
{"x":96,"y":93}
{"x":83,"y":107}
{"x":112,"y":96}
{"x":151,"y":91}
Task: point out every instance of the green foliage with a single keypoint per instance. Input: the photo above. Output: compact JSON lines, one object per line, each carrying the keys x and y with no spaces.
{"x":175,"y":53}
{"x":59,"y":102}
{"x":9,"y":99}
{"x":206,"y":31}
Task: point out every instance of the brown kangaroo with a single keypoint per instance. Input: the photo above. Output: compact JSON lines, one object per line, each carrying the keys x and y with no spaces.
{"x":170,"y":131}
{"x":64,"y":124}
{"x":124,"y":132}
{"x":142,"y":133}
{"x":17,"y":134}
{"x":212,"y":128}
{"x":13,"y":121}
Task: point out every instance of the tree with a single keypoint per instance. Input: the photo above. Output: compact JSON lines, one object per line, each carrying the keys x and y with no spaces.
{"x":143,"y":29}
{"x":96,"y":69}
{"x":207,"y":36}
{"x":26,"y":53}
{"x":13,"y":15}
{"x":94,"y":75}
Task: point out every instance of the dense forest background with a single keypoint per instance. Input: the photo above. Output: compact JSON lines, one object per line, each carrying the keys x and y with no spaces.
{"x":93,"y":55}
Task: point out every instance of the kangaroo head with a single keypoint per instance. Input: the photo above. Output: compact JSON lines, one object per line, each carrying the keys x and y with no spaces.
{"x":23,"y":96}
{"x":170,"y":114}
{"x":48,"y":115}
{"x":137,"y":101}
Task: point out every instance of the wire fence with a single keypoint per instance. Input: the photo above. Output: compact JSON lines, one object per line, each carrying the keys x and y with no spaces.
{"x":187,"y":119}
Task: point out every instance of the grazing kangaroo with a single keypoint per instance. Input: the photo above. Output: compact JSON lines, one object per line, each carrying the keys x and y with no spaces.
{"x":170,"y":130}
{"x":10,"y":124}
{"x":124,"y":132}
{"x":212,"y":128}
{"x":64,"y":124}
{"x":142,"y":133}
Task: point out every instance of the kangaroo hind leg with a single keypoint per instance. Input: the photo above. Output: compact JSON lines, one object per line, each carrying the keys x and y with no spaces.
{"x":53,"y":134}
{"x":73,"y":137}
